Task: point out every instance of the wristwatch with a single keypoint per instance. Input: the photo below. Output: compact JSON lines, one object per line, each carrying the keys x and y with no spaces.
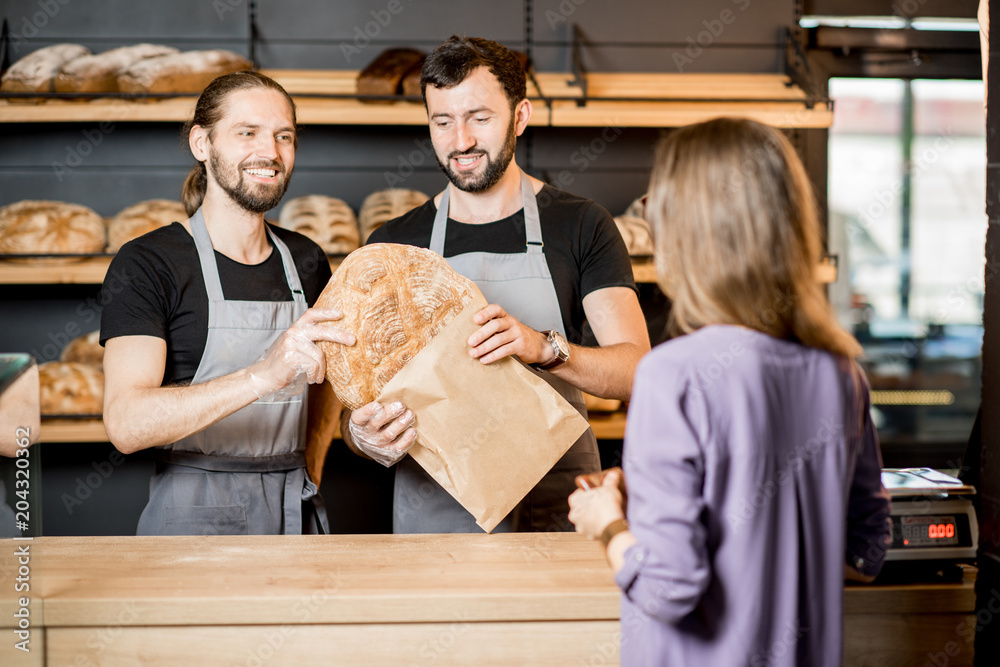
{"x":560,"y":346}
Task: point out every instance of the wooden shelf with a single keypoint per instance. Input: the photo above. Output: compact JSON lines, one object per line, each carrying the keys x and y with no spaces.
{"x":91,"y":271}
{"x":607,"y":426}
{"x":613,"y":100}
{"x":72,"y":430}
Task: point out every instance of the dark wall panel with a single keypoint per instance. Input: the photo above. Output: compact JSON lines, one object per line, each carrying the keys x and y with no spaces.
{"x":112,"y":165}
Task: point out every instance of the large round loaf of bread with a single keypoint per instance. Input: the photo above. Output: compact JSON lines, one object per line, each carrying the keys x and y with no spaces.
{"x":85,"y":349}
{"x":36,"y":72}
{"x":70,"y":389}
{"x":395,"y":299}
{"x":382,"y":206}
{"x":187,"y":72}
{"x":98,"y":73}
{"x":328,"y":221}
{"x":50,"y":227}
{"x":138,"y":219}
{"x":635,"y":232}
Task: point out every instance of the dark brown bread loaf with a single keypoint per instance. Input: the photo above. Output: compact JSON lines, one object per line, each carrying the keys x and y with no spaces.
{"x":385,"y":74}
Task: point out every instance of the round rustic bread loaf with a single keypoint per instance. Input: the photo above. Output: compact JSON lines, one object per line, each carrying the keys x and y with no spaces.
{"x":85,"y":349}
{"x":70,"y":389}
{"x":382,"y":206}
{"x":395,"y":299}
{"x":186,"y":72}
{"x":98,"y":73}
{"x":138,"y":219}
{"x":635,"y":232}
{"x":328,"y":221}
{"x":36,"y":72}
{"x":50,"y":227}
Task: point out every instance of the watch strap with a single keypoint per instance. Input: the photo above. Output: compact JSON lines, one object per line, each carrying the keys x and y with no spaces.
{"x":612,"y":529}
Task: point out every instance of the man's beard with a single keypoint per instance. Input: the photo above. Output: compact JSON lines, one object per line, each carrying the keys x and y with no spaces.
{"x":491,"y":175}
{"x":252,"y":197}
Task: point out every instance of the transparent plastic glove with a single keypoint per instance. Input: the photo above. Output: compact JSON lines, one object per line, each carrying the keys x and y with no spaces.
{"x":296,"y":364}
{"x":383,"y":433}
{"x":294,"y":359}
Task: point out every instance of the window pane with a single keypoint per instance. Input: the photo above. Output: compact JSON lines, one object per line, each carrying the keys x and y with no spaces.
{"x":922,"y":338}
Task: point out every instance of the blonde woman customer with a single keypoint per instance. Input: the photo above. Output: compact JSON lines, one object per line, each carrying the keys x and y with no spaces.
{"x":752,"y":465}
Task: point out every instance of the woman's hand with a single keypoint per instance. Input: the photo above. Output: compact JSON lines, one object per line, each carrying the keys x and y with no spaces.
{"x":591,"y":511}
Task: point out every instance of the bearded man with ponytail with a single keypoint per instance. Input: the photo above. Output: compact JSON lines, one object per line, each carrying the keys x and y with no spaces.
{"x":211,"y":344}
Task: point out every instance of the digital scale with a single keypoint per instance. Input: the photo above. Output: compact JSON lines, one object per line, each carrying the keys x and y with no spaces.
{"x":933,"y":518}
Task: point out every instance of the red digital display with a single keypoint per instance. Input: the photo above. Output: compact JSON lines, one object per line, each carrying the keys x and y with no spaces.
{"x":923,"y":531}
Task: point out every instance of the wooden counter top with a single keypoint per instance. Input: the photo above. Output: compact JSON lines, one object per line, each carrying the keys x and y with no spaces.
{"x":523,"y":599}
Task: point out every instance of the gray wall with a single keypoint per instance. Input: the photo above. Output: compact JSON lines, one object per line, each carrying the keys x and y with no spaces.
{"x":110,"y":166}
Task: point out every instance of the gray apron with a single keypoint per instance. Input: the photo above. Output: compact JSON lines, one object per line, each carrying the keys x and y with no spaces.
{"x":245,"y":474}
{"x":522,"y":284}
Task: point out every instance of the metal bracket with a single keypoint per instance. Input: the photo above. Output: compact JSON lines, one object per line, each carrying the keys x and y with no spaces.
{"x":800,"y":73}
{"x":252,"y":33}
{"x":4,"y":47}
{"x":579,"y":71}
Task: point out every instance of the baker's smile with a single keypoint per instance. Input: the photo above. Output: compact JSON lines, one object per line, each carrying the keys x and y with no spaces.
{"x":262,"y":173}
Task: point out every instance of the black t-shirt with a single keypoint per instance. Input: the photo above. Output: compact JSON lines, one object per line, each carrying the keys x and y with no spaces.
{"x":582,"y":245}
{"x":154,"y":287}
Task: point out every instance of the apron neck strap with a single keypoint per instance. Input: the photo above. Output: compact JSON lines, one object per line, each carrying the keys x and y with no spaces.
{"x":210,"y":268}
{"x":532,"y":223}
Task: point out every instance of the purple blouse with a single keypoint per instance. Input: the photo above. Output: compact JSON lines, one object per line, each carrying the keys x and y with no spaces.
{"x":753,"y":474}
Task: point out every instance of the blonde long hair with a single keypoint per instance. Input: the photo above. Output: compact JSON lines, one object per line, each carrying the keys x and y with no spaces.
{"x":736,"y":234}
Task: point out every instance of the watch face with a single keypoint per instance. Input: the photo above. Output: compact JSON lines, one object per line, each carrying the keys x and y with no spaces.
{"x":561,"y":345}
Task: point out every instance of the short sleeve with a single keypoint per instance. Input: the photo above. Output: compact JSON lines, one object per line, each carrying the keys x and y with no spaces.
{"x":604,"y":258}
{"x":134,"y":295}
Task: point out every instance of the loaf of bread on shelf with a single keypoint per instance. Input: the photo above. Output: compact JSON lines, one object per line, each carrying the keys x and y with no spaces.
{"x":85,"y":349}
{"x":37,"y":71}
{"x":186,"y":72}
{"x":395,"y":299}
{"x":385,"y":74}
{"x":98,"y":73}
{"x":50,"y":227}
{"x":328,"y":221}
{"x":382,"y":206}
{"x":68,"y":388}
{"x":635,"y":232}
{"x":138,"y":219}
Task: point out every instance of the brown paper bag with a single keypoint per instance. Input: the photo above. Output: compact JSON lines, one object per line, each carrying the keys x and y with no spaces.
{"x":486,"y":433}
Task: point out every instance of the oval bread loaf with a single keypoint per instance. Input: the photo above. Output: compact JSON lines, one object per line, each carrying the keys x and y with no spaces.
{"x":187,"y":72}
{"x":50,"y":227}
{"x":382,"y":206}
{"x":395,"y":299}
{"x":635,"y":232}
{"x":70,"y":389}
{"x":36,"y":72}
{"x":98,"y":73}
{"x":138,"y":219}
{"x":328,"y":221}
{"x":85,"y":349}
